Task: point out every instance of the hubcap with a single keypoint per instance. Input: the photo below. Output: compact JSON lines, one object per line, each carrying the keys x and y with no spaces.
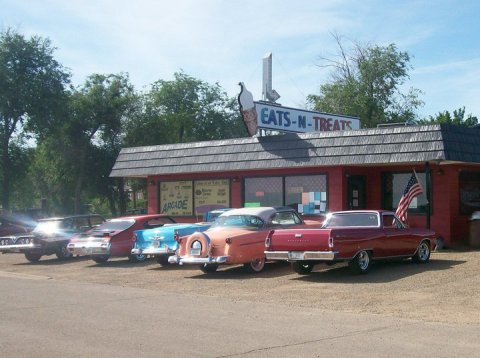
{"x":423,"y":251}
{"x":363,"y":260}
{"x":258,"y":264}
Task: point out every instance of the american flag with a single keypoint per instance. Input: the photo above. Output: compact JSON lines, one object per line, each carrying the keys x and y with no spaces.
{"x":412,"y":189}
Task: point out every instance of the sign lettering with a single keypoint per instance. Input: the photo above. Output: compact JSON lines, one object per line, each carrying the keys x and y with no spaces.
{"x":286,"y":119}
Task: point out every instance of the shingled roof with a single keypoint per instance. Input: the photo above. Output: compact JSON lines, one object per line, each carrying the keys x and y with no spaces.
{"x":379,"y":146}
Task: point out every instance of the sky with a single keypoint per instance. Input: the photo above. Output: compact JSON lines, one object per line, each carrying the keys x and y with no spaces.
{"x":224,"y":41}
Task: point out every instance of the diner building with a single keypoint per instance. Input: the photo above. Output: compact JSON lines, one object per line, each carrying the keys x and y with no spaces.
{"x":318,"y":172}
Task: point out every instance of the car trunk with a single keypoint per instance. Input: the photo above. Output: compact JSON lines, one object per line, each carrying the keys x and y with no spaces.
{"x":299,"y":240}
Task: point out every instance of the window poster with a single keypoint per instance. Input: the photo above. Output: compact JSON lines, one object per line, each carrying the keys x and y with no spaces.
{"x":211,"y":194}
{"x":176,"y":198}
{"x":312,"y":202}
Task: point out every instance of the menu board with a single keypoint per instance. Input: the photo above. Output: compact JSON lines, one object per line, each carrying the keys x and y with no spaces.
{"x":211,"y":194}
{"x":176,"y":198}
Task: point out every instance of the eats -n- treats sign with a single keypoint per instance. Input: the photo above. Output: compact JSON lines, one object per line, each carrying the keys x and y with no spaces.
{"x":294,"y":120}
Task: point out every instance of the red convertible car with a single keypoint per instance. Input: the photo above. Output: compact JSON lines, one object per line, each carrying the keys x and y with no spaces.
{"x":358,"y":237}
{"x":115,"y":237}
{"x":236,"y":237}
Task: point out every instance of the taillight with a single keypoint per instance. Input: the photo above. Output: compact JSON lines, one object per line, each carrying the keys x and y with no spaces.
{"x":134,"y":237}
{"x":106,"y":238}
{"x":330,"y":241}
{"x":176,"y":236}
{"x":268,"y":240}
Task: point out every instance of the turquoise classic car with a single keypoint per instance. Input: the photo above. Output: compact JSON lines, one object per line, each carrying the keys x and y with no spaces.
{"x":161,"y":242}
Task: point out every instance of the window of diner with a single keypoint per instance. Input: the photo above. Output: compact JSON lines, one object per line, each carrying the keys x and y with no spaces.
{"x":307,"y":193}
{"x":393,"y":186}
{"x":469,"y":183}
{"x":266,"y":191}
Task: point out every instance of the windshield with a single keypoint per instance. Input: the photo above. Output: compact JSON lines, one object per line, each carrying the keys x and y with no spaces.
{"x":351,"y":219}
{"x":246,"y":221}
{"x":115,"y":225}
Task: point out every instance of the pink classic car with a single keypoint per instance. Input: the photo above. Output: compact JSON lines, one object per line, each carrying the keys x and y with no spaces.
{"x":357,"y":237}
{"x":236,"y":237}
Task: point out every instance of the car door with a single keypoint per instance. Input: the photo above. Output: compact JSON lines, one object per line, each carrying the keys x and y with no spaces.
{"x":398,"y":241}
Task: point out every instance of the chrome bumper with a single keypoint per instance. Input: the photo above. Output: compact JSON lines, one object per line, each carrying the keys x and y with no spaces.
{"x":19,"y":248}
{"x":301,"y":255}
{"x":153,"y":251}
{"x":197,"y":260}
{"x":89,"y":248}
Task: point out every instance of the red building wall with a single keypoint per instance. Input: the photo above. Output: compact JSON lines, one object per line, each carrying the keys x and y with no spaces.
{"x":445,"y":217}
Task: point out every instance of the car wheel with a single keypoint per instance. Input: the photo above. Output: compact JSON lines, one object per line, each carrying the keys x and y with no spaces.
{"x":100,"y":259}
{"x":63,"y":253}
{"x":360,"y":263}
{"x":163,"y":260}
{"x":32,"y":257}
{"x":422,"y":255}
{"x":302,"y":267}
{"x":137,"y":258}
{"x":208,"y":268}
{"x":255,"y":266}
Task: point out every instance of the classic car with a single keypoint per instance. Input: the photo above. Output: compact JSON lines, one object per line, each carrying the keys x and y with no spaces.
{"x":50,"y":236}
{"x":114,"y":237}
{"x":162,"y":242}
{"x":236,"y":237}
{"x":357,"y":237}
{"x":14,"y":224}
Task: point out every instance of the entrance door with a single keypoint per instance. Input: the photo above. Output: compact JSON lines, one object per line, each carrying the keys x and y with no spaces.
{"x":356,"y":192}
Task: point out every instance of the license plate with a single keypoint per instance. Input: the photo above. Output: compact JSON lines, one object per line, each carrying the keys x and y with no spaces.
{"x":156,"y":244}
{"x":194,"y":252}
{"x":296,"y":255}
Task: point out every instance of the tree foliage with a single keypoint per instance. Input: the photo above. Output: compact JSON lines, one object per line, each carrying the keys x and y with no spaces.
{"x":457,"y":118}
{"x":32,"y":91}
{"x":366,"y":82}
{"x":183,"y":110}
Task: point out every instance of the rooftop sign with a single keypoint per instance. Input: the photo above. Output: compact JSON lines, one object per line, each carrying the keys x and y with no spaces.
{"x":270,"y":116}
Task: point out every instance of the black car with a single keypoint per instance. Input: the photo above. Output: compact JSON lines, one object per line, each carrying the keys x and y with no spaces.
{"x":50,"y":236}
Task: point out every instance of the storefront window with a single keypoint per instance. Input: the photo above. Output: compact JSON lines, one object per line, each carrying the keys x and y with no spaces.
{"x":176,"y":198}
{"x":393,"y":185}
{"x":264,"y":191}
{"x":306,"y":194}
{"x":469,"y":192}
{"x":188,"y":198}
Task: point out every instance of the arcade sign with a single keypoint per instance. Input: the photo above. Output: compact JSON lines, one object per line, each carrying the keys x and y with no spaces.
{"x":264,"y":115}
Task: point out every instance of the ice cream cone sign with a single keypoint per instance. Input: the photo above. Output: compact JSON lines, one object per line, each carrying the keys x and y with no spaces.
{"x":247,"y":108}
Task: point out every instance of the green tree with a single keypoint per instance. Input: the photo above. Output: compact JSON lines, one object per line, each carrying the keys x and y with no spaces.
{"x":458,"y":118}
{"x":76,"y":156}
{"x":32,"y":88}
{"x":184,"y":110}
{"x":99,"y":110}
{"x":365,"y":82}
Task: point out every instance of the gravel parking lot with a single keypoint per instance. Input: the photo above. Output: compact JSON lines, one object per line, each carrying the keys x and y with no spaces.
{"x":445,"y":290}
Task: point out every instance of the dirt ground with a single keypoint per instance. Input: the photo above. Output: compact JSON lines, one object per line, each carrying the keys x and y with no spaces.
{"x":447,"y":289}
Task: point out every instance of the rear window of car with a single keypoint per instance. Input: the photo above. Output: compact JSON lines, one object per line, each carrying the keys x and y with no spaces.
{"x":116,"y":225}
{"x":353,"y":219}
{"x":156,"y":222}
{"x":247,"y":221}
